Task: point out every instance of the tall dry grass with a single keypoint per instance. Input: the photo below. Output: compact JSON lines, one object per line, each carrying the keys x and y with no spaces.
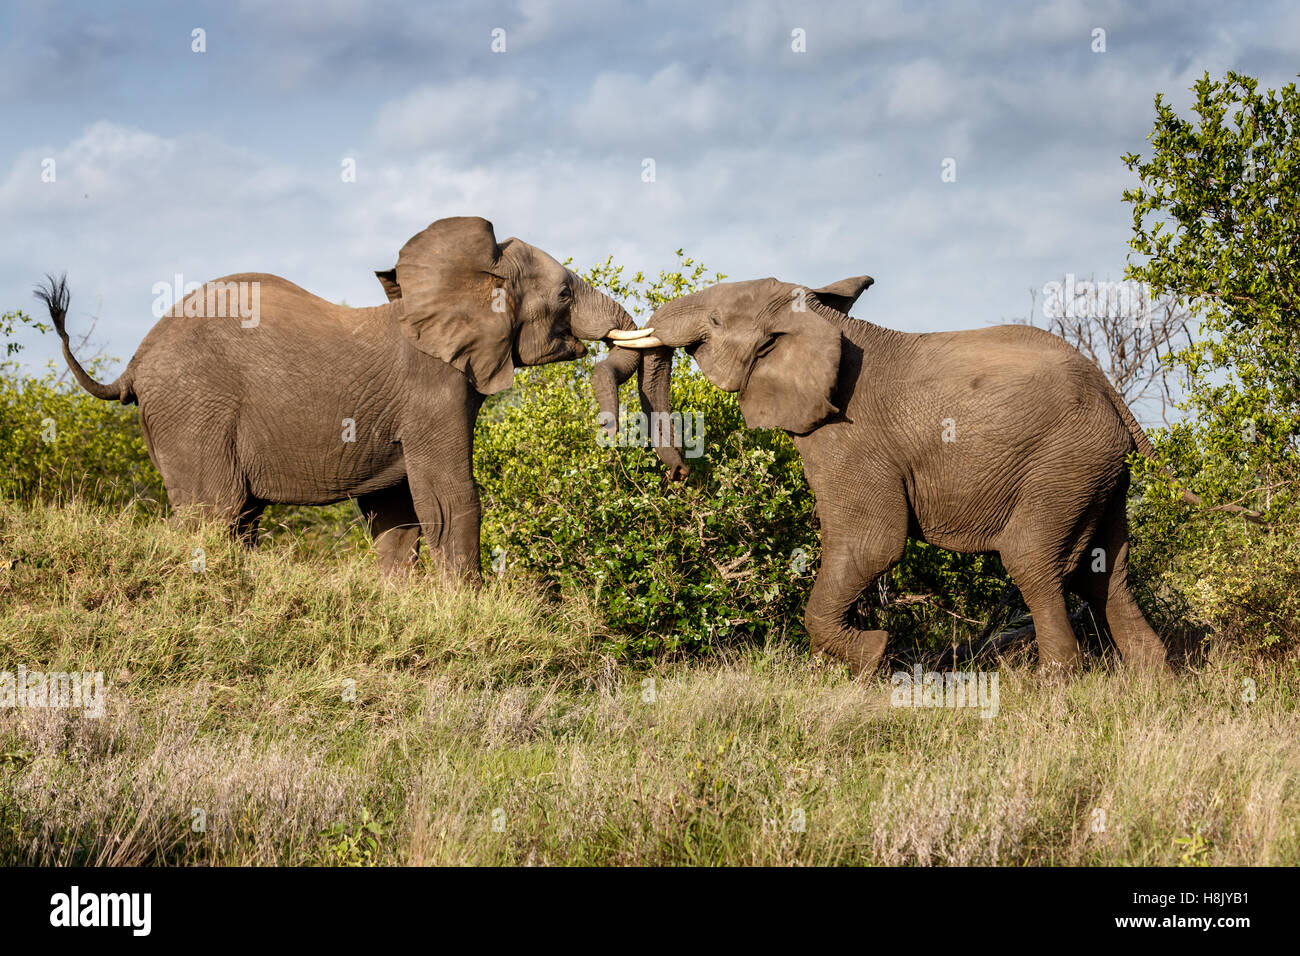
{"x":498,"y":728}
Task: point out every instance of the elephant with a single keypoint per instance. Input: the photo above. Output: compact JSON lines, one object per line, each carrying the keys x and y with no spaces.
{"x":1003,"y":439}
{"x":288,"y":398}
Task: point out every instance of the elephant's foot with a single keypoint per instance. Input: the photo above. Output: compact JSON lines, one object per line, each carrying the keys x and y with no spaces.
{"x":396,"y":571}
{"x":455,"y":575}
{"x":1059,"y":655}
{"x":861,"y":650}
{"x":1059,"y":661}
{"x":1148,"y":658}
{"x":1139,"y":646}
{"x":1057,"y":671}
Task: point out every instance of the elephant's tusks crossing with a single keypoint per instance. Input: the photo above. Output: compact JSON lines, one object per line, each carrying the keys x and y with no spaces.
{"x":647,"y":343}
{"x":624,"y":335}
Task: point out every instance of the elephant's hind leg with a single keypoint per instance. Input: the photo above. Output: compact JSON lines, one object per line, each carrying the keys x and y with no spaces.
{"x":394,"y":527}
{"x":1058,"y":648}
{"x":248,"y":522}
{"x":241,"y":515}
{"x":203,"y":479}
{"x":1138,"y":644}
{"x":849,"y":568}
{"x":226,"y":502}
{"x":1043,"y":589}
{"x":1104,"y":584}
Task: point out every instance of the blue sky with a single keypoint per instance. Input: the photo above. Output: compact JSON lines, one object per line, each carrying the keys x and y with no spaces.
{"x":808,"y":166}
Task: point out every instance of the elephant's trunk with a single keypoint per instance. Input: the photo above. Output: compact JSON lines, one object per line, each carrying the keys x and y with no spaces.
{"x":654,"y":382}
{"x":594,"y":316}
{"x":676,"y":325}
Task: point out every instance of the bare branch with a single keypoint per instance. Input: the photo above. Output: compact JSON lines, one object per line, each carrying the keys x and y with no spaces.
{"x":1129,"y":345}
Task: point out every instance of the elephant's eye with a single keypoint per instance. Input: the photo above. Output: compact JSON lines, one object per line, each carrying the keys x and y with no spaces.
{"x":565,"y":294}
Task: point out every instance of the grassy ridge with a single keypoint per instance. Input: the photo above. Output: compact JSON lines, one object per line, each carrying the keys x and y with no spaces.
{"x":227,"y":695}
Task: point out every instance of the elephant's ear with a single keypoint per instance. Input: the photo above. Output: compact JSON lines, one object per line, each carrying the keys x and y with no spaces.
{"x":451,"y":307}
{"x":793,"y":381}
{"x":388,"y":279}
{"x":841,"y":295}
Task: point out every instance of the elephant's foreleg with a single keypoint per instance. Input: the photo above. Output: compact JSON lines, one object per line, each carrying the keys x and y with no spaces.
{"x":394,"y":526}
{"x":448,"y":509}
{"x":460,"y":539}
{"x":845,"y":573}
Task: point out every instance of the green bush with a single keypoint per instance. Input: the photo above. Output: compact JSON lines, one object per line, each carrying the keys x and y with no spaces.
{"x":57,"y":441}
{"x":60,"y":441}
{"x":723,"y":555}
{"x":1218,"y":575}
{"x":1210,"y":572}
{"x":1244,"y":585}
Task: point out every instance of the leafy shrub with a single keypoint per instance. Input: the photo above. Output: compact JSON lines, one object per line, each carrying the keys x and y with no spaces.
{"x":723,"y":555}
{"x":1231,"y":579}
{"x":56,"y":440}
{"x":1245,"y":585}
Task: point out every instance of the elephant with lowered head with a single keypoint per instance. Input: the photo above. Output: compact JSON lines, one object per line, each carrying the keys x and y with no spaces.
{"x":288,"y":398}
{"x":1004,"y":439}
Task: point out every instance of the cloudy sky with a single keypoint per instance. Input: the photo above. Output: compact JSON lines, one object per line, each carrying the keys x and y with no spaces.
{"x":810,"y":166}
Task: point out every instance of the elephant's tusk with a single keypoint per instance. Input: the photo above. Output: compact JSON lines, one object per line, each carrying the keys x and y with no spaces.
{"x":651,"y":343}
{"x":625,"y":335}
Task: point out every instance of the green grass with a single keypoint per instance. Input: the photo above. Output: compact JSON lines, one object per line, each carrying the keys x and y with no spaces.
{"x":226,"y":695}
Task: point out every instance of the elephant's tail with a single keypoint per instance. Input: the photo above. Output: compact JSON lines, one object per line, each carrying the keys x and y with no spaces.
{"x":1147,"y":450}
{"x":1140,"y":438}
{"x":54,"y":293}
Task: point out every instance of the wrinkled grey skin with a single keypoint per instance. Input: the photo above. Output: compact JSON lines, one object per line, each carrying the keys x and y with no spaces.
{"x":1003,"y":440}
{"x":239,"y":417}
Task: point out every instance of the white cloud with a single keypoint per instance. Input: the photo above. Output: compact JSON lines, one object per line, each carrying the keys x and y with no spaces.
{"x":624,"y":108}
{"x":105,"y":160}
{"x":922,"y":91}
{"x":467,"y":113}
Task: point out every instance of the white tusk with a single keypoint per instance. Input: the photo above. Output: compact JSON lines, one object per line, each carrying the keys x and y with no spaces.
{"x":651,"y":343}
{"x":624,"y":335}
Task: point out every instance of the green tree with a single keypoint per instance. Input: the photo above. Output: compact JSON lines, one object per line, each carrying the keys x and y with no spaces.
{"x":1216,"y":222}
{"x":9,"y":322}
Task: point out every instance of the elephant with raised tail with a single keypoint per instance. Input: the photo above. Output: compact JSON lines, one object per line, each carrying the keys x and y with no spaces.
{"x":1004,"y":439}
{"x":253,"y":391}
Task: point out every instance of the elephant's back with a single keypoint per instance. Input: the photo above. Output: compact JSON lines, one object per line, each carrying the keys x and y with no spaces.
{"x":236,"y":304}
{"x":1014,"y":367}
{"x":1021,"y":371}
{"x":254,"y":330}
{"x":1002,"y":345}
